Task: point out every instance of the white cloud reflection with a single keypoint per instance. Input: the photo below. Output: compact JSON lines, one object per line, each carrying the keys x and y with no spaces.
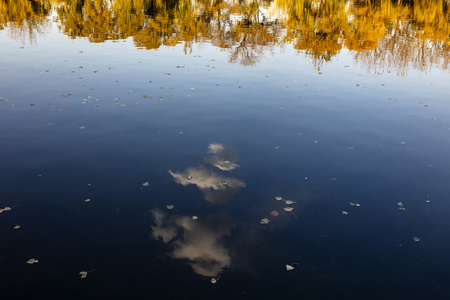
{"x":216,"y":188}
{"x":194,"y":241}
{"x":223,"y":158}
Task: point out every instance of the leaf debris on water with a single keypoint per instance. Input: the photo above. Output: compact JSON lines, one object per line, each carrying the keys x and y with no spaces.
{"x":289,"y":268}
{"x":16,"y":227}
{"x":428,"y":199}
{"x":87,"y":200}
{"x":32,"y":261}
{"x":288,"y":208}
{"x":194,"y":218}
{"x":171,"y":206}
{"x":344,"y":212}
{"x":278,"y":198}
{"x":146,"y":183}
{"x":214,"y":280}
{"x":355,"y":204}
{"x":274,"y":213}
{"x":264,"y":221}
{"x":416,"y":239}
{"x":289,"y":202}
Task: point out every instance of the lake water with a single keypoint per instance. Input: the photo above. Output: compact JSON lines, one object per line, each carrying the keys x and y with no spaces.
{"x":148,"y":144}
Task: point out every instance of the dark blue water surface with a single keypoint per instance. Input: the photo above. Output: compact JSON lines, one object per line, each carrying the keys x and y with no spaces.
{"x":219,"y":141}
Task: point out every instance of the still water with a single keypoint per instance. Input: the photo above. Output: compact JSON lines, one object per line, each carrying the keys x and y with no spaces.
{"x":231,"y":149}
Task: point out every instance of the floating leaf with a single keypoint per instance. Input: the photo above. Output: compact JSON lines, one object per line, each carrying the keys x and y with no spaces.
{"x":87,"y":200}
{"x":289,"y":267}
{"x":264,"y":221}
{"x":7,"y":208}
{"x":416,"y":239}
{"x":214,"y":280}
{"x":352,"y":204}
{"x":344,"y":212}
{"x":16,"y":227}
{"x":288,"y":208}
{"x":400,"y":204}
{"x":32,"y":261}
{"x":83,"y":274}
{"x":1,"y":210}
{"x":274,"y":213}
{"x":279,"y":198}
{"x":146,"y":183}
{"x":194,"y":218}
{"x":82,"y":127}
{"x":171,"y":206}
{"x":289,"y":202}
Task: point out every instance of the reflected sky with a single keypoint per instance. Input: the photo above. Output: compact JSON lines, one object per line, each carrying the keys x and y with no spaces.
{"x":198,"y":241}
{"x":223,"y":158}
{"x":218,"y":108}
{"x":216,"y":188}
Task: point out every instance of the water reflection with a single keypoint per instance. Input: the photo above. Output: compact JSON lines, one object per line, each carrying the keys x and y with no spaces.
{"x":216,"y":188}
{"x":198,"y":241}
{"x":381,"y":34}
{"x":223,"y":157}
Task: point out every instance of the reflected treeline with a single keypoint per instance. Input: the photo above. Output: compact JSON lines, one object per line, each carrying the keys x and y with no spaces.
{"x":382,"y":33}
{"x":26,"y":19}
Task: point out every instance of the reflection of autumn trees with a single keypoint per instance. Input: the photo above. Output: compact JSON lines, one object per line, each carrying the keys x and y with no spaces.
{"x":24,"y":18}
{"x":380,"y":33}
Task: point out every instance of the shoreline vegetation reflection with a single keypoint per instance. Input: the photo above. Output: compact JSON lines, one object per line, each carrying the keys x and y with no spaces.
{"x":380,"y":34}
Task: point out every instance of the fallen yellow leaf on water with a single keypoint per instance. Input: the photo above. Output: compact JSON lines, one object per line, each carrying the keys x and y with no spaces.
{"x":416,"y":239}
{"x":288,"y":208}
{"x":344,"y":212}
{"x":214,"y":280}
{"x":171,"y":206}
{"x":17,"y":227}
{"x":83,"y":274}
{"x":274,"y":213}
{"x":1,"y":210}
{"x":279,"y":198}
{"x":289,"y":267}
{"x":289,"y":202}
{"x":87,"y":200}
{"x":7,"y":208}
{"x":32,"y":261}
{"x":264,"y":221}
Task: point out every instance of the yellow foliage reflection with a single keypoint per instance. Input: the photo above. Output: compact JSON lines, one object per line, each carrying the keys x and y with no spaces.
{"x":26,"y":19}
{"x":381,"y":34}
